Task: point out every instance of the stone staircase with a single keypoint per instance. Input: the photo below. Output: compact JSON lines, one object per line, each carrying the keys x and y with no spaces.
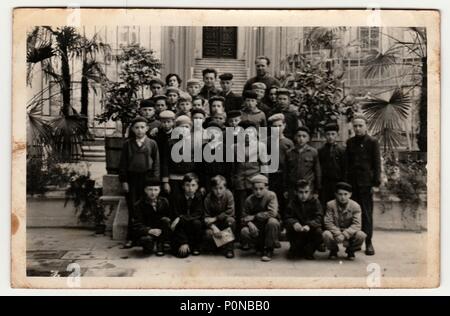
{"x":235,"y":66}
{"x":94,"y":150}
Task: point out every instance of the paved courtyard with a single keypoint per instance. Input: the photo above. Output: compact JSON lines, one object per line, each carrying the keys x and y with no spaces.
{"x":51,"y":250}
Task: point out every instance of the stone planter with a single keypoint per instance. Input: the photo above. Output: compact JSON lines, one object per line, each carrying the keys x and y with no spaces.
{"x":113,"y":150}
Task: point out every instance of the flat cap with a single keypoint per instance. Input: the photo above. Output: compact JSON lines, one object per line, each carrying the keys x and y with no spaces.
{"x":147,"y":103}
{"x":152,"y":182}
{"x":331,"y":127}
{"x":197,"y":111}
{"x":259,"y":85}
{"x":159,"y":97}
{"x":158,"y":81}
{"x":216,"y":98}
{"x":276,"y":117}
{"x":246,"y":124}
{"x":172,"y":89}
{"x":185,"y":98}
{"x":249,"y":94}
{"x":213,"y":124}
{"x":220,"y":114}
{"x":303,"y":129}
{"x":343,"y":186}
{"x":226,"y":76}
{"x":166,"y":115}
{"x":183,"y":119}
{"x":234,"y":113}
{"x":193,"y":81}
{"x":259,"y":178}
{"x":283,"y":91}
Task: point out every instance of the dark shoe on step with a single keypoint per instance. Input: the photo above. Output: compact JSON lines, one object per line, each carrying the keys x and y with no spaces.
{"x":350,"y":255}
{"x":160,"y":250}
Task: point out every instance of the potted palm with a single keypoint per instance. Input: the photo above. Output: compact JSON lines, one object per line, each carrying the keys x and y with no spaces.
{"x":137,"y":67}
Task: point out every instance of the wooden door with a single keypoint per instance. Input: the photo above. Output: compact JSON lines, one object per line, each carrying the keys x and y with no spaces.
{"x":219,"y":42}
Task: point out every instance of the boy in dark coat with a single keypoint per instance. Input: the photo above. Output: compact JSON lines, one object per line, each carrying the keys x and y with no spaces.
{"x":188,"y":214}
{"x":139,"y":162}
{"x":332,"y":163}
{"x":232,"y":101}
{"x":363,"y":172}
{"x":303,"y":221}
{"x":152,"y":219}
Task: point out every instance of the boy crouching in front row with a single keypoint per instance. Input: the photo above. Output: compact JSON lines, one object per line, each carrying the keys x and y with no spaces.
{"x":259,"y":218}
{"x":303,"y":220}
{"x":152,"y":219}
{"x":219,"y":213}
{"x":188,"y":215}
{"x":343,"y":223}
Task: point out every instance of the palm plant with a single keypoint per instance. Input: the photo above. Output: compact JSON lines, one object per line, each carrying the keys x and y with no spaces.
{"x":386,"y":116}
{"x":411,"y":72}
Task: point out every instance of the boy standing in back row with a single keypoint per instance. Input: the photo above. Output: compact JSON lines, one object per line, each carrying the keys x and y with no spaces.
{"x":363,"y":170}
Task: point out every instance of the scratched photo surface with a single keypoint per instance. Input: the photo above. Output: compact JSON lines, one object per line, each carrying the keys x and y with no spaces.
{"x":99,"y":199}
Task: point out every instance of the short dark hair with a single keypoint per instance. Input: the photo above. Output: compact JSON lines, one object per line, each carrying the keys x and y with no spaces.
{"x":302,"y":183}
{"x":188,"y":177}
{"x":208,"y":71}
{"x":173,"y":75}
{"x":264,"y":58}
{"x":215,"y":181}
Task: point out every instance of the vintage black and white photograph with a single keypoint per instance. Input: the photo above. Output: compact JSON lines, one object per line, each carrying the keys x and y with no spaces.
{"x":225,"y":149}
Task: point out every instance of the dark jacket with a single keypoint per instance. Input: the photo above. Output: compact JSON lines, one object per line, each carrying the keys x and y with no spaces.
{"x":232,"y":101}
{"x":147,"y":217}
{"x":221,"y":208}
{"x":332,"y":162}
{"x":162,"y":139}
{"x":135,"y":159}
{"x":268,"y":80}
{"x":363,"y":161}
{"x":207,"y":92}
{"x":306,"y":213}
{"x":291,"y":120}
{"x":207,"y":170}
{"x":188,"y":211}
{"x":304,"y":165}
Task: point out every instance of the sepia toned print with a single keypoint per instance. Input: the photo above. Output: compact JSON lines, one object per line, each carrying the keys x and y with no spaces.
{"x":178,"y":149}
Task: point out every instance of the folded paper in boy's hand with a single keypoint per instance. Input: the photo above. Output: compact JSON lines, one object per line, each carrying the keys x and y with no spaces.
{"x":226,"y":237}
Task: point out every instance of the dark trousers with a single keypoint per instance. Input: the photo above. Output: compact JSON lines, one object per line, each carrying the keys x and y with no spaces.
{"x":239,"y":197}
{"x":327,"y":193}
{"x":148,"y":241}
{"x":267,"y":236}
{"x":187,"y":232}
{"x":351,"y":244}
{"x":136,"y":185}
{"x":277,"y":185}
{"x":364,"y":197}
{"x":223,"y":224}
{"x":304,"y":242}
{"x":176,"y":188}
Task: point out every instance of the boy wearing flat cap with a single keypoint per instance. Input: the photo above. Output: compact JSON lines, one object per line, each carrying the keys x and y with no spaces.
{"x":363,"y":172}
{"x":332,"y":163}
{"x":250,"y":111}
{"x":303,"y":162}
{"x":152,"y":219}
{"x":232,"y":101}
{"x":260,"y":89}
{"x":290,"y":116}
{"x":184,"y":105}
{"x":260,"y":225}
{"x":343,"y":223}
{"x":193,"y":87}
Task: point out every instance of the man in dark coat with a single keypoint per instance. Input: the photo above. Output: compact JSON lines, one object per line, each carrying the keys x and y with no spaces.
{"x":262,"y":64}
{"x":363,"y":170}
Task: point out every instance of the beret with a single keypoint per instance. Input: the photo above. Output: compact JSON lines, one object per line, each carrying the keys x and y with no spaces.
{"x":276,"y":117}
{"x":193,"y":81}
{"x":172,"y":89}
{"x":259,"y":178}
{"x":246,"y":124}
{"x":138,"y":119}
{"x":331,"y":127}
{"x":216,"y":98}
{"x":183,"y":119}
{"x":196,"y":111}
{"x":283,"y":91}
{"x":234,"y":113}
{"x":343,"y":186}
{"x":159,"y":97}
{"x":147,"y":103}
{"x":152,"y":182}
{"x":259,"y":85}
{"x":303,"y":129}
{"x":226,"y":76}
{"x":166,"y":115}
{"x":157,"y":80}
{"x":249,"y":94}
{"x":359,"y":116}
{"x":185,"y":98}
